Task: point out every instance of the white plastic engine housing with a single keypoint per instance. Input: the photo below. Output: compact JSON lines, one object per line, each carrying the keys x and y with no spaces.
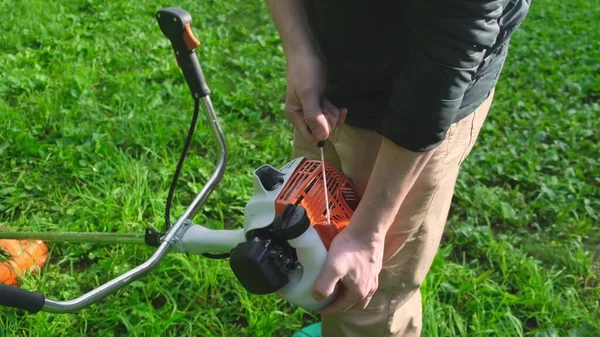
{"x":312,"y":254}
{"x":260,"y":213}
{"x":260,"y":209}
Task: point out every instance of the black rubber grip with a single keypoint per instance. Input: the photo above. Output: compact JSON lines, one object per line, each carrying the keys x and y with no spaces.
{"x":172,"y":22}
{"x":21,"y":299}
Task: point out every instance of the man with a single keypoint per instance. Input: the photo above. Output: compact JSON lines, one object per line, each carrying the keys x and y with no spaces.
{"x":399,"y":91}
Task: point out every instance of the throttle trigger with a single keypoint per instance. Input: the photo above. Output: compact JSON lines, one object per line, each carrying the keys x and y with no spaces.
{"x":190,"y":40}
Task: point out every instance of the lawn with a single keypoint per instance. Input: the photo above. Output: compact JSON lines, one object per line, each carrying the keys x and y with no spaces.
{"x":93,"y":115}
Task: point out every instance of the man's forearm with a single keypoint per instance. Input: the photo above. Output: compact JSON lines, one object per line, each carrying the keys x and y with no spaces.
{"x":394,"y":173}
{"x":291,"y":20}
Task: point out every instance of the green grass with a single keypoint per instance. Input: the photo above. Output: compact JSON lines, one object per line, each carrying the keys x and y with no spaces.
{"x":93,"y":113}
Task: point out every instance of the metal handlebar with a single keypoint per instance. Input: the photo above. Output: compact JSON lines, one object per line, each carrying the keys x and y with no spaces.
{"x":175,"y":24}
{"x":172,"y":236}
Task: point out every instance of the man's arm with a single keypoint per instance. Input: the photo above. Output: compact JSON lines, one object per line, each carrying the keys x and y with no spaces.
{"x":305,"y":107}
{"x":291,"y":20}
{"x":356,"y":254}
{"x":395,"y":171}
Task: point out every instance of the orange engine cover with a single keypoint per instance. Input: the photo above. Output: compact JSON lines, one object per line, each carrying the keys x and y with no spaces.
{"x":306,"y":188}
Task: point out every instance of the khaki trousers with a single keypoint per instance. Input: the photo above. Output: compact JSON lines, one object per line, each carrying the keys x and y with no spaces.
{"x":395,"y":309}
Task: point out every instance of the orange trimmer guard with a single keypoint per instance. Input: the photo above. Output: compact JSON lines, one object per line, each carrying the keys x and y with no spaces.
{"x":26,"y":255}
{"x":306,"y":188}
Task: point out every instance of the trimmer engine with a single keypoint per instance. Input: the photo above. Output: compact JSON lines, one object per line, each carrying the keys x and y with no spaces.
{"x":306,"y":188}
{"x":287,"y":208}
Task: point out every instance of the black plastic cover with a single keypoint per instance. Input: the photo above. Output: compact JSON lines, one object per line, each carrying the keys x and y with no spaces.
{"x":260,"y":266}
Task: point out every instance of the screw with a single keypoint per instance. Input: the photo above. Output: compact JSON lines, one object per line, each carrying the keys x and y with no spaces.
{"x":174,"y":19}
{"x":176,"y":52}
{"x":196,"y":95}
{"x":158,"y":15}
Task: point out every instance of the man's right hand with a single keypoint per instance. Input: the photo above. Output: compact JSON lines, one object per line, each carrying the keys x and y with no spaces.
{"x":310,"y":113}
{"x":306,"y":108}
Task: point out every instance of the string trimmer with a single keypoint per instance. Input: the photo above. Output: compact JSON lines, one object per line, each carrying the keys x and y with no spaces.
{"x":288,"y":225}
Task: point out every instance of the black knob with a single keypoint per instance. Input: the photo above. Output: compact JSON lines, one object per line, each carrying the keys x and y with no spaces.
{"x":292,"y":222}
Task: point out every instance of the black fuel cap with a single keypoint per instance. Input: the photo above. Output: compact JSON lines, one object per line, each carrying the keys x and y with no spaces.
{"x":292,"y":222}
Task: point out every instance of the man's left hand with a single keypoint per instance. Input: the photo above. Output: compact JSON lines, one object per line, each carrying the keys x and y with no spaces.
{"x":354,"y":261}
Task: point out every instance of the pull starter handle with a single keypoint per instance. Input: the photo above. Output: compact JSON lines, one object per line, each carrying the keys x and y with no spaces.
{"x":176,"y":25}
